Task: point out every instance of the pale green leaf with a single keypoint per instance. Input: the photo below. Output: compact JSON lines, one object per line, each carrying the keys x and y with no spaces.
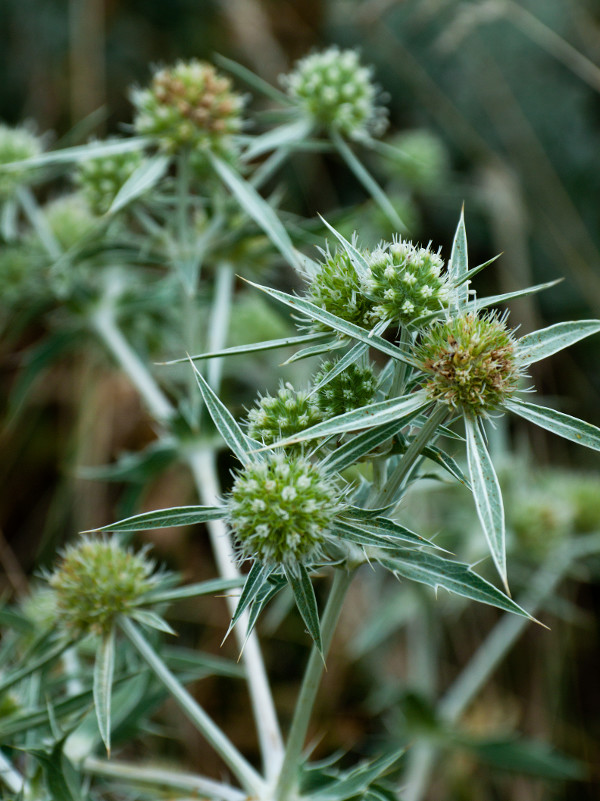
{"x":255,"y":581}
{"x":458,"y":266}
{"x":396,"y":532}
{"x":304,"y":594}
{"x":153,"y":621}
{"x":353,"y":355}
{"x":81,"y":153}
{"x":254,"y":347}
{"x":165,"y":518}
{"x":541,"y":344}
{"x":284,"y":136}
{"x":564,"y":425}
{"x":355,"y":782}
{"x":104,"y":668}
{"x":472,"y":273}
{"x":344,"y":327}
{"x":437,"y":571}
{"x":357,"y":259}
{"x":492,"y":300}
{"x":253,"y":80}
{"x":210,"y":587}
{"x":256,"y":207}
{"x":487,"y":495}
{"x":396,"y":410}
{"x":227,"y":427}
{"x":314,"y":350}
{"x":362,"y":444}
{"x":144,"y":178}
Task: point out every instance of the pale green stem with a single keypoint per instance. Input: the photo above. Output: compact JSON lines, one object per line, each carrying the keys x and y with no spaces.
{"x":269,"y":167}
{"x":425,"y":437}
{"x":488,"y":656}
{"x":219,"y":322}
{"x":104,"y":324}
{"x":10,"y":776}
{"x":146,"y":775}
{"x":243,"y":771}
{"x":38,"y":222}
{"x":310,"y":685}
{"x":203,"y":467}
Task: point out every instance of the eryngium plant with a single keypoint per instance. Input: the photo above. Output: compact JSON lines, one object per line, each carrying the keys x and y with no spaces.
{"x":302,"y":504}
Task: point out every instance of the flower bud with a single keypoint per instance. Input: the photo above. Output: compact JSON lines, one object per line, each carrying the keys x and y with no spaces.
{"x":282,"y":416}
{"x":335,"y":288}
{"x":352,"y":388}
{"x":101,"y":178}
{"x":16,"y":144}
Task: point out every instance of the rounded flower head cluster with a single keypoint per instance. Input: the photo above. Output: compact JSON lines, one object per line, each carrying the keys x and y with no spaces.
{"x":281,"y":510}
{"x":335,"y":288}
{"x":404,"y":282}
{"x":16,"y":144}
{"x":472,"y":363}
{"x":338,"y":92}
{"x":352,"y":388}
{"x":190,"y":105}
{"x":281,"y":416}
{"x":96,"y":581}
{"x":101,"y":178}
{"x":421,"y":159}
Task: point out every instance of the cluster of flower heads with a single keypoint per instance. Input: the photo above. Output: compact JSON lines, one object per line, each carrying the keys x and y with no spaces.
{"x":16,"y":144}
{"x":352,"y":388}
{"x":190,"y":105}
{"x":471,"y":362}
{"x":96,"y":581}
{"x":402,"y":283}
{"x":337,"y":92}
{"x":101,"y":178}
{"x":281,"y":510}
{"x":281,"y":416}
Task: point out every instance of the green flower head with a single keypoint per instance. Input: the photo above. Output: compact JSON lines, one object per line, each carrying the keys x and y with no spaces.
{"x":352,"y":388}
{"x":281,"y":416}
{"x":101,"y":178}
{"x":337,"y":92}
{"x":190,"y":105}
{"x":471,"y":362}
{"x":16,"y":144}
{"x":335,"y":288}
{"x":281,"y":510}
{"x":96,"y":581}
{"x":404,"y":282}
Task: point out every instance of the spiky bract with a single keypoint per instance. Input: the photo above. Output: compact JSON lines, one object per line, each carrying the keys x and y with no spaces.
{"x":352,"y":388}
{"x":337,"y":92}
{"x":101,"y":178}
{"x":404,"y":282}
{"x":190,"y":105}
{"x":335,"y":288}
{"x":281,"y":416}
{"x":97,"y":580}
{"x":471,"y":363}
{"x":281,"y":509}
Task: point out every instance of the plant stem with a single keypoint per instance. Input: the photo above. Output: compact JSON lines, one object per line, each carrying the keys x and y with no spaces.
{"x":310,"y":685}
{"x":244,"y":772}
{"x":104,"y":324}
{"x":425,"y":436}
{"x":202,"y":464}
{"x":219,"y":321}
{"x":144,"y":774}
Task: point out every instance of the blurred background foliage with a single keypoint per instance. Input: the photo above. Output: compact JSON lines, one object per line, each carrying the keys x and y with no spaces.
{"x":492,"y":103}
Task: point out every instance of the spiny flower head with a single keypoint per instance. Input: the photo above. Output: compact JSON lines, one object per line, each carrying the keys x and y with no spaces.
{"x":352,"y":388}
{"x":471,"y":363}
{"x":16,"y":144}
{"x":404,"y":282}
{"x":335,"y":288}
{"x":70,"y":219}
{"x":281,"y":416}
{"x":281,"y":510}
{"x":338,"y":92}
{"x":190,"y":105}
{"x":101,"y":178}
{"x":97,"y":580}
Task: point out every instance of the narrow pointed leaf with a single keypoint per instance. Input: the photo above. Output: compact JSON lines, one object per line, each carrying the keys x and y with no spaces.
{"x":353,"y":355}
{"x":104,"y":668}
{"x":540,"y":344}
{"x":344,"y":327}
{"x":564,"y":425}
{"x":210,"y":587}
{"x":269,"y":591}
{"x":492,"y":300}
{"x":369,"y":533}
{"x":146,"y":176}
{"x":396,"y":410}
{"x":397,"y":532}
{"x":357,"y":259}
{"x":255,"y":581}
{"x":354,"y":449}
{"x":285,"y":136}
{"x":253,"y":80}
{"x":368,"y":182}
{"x":165,"y":518}
{"x":152,"y":621}
{"x":254,"y":347}
{"x":306,"y":602}
{"x":437,"y":571}
{"x":440,"y":457}
{"x":314,"y":350}
{"x":458,"y":265}
{"x":472,"y":273}
{"x":227,"y":427}
{"x":487,"y":495}
{"x":256,"y":207}
{"x":356,"y":782}
{"x":81,"y":153}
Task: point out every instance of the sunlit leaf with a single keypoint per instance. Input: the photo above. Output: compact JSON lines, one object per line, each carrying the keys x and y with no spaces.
{"x":304,"y":595}
{"x":458,"y":266}
{"x":540,"y":344}
{"x":564,"y":425}
{"x":144,"y":178}
{"x":104,"y":668}
{"x":165,"y":518}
